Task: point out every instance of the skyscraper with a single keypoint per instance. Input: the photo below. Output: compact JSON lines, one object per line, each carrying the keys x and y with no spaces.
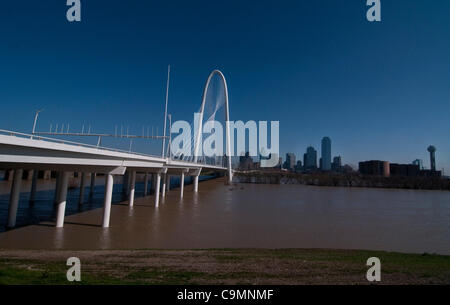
{"x":326,"y":154}
{"x":337,"y":164}
{"x":299,"y":166}
{"x":310,"y":159}
{"x":290,"y":161}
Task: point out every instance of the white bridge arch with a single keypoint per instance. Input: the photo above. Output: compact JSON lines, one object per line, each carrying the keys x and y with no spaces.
{"x":227,"y":118}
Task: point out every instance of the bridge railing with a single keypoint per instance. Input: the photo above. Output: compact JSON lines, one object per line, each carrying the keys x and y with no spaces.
{"x":54,"y":140}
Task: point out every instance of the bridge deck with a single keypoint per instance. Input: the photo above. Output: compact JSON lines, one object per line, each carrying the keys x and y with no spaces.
{"x":24,"y":151}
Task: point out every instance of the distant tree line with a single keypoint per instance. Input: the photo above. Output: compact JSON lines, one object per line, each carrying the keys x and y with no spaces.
{"x":343,"y":180}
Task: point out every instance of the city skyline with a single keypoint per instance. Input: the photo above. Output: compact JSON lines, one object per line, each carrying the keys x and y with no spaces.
{"x":380,"y":91}
{"x":310,"y":159}
{"x":423,"y":161}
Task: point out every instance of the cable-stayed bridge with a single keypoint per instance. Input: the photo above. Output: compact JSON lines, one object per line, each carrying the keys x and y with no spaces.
{"x":19,"y":152}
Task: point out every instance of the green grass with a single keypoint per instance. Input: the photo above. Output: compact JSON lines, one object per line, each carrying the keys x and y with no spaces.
{"x":164,"y":276}
{"x":24,"y":272}
{"x":227,"y":266}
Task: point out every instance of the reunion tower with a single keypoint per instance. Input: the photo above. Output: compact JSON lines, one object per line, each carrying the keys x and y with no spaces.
{"x":432,"y":150}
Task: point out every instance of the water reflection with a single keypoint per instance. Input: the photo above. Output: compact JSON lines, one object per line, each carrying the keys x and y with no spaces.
{"x":43,"y":208}
{"x":105,"y":238}
{"x":59,"y":238}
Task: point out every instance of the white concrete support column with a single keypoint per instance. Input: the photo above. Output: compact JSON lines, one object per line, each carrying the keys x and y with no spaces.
{"x":195,"y":176}
{"x":125,"y":183}
{"x":82,"y":187}
{"x":57,"y":188}
{"x":164,"y":185}
{"x":33,"y":187}
{"x":157,"y":187}
{"x":146,"y":184}
{"x":182,"y":184}
{"x":168,"y":183}
{"x":10,"y":174}
{"x":62,"y":197}
{"x":14,"y":198}
{"x":91,"y":190}
{"x":109,"y":182}
{"x":129,"y":184}
{"x":153,"y":183}
{"x":196,"y":184}
{"x":132,"y":188}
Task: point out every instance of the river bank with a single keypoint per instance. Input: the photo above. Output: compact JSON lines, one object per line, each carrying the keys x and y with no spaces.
{"x":222,"y":266}
{"x":343,"y":180}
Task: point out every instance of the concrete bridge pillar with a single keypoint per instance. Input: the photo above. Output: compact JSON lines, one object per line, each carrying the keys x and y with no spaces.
{"x":182,"y":184}
{"x":9,"y":175}
{"x":47,"y":175}
{"x":14,"y":198}
{"x":109,"y":182}
{"x":164,"y":179}
{"x":125,"y":183}
{"x":157,"y":187}
{"x":146,"y":184}
{"x":82,"y":187}
{"x":57,"y":188}
{"x":132,"y":188}
{"x":33,"y":186}
{"x":168,"y":182}
{"x":153,"y":183}
{"x":91,"y":190}
{"x":196,"y":184}
{"x":62,"y":197}
{"x":195,"y":178}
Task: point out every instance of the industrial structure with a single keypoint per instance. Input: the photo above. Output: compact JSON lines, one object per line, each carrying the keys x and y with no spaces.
{"x":387,"y":169}
{"x":375,"y":168}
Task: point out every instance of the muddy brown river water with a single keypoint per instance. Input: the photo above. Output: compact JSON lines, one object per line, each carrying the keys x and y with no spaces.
{"x":257,"y":216}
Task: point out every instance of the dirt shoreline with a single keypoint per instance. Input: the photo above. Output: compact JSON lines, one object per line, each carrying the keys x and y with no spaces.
{"x":222,"y":266}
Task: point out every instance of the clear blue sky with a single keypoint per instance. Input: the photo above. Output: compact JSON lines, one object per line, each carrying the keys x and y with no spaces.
{"x":378,"y":90}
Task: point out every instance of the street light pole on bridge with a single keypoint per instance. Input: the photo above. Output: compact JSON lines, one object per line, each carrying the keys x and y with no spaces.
{"x":35,"y":121}
{"x":165,"y":112}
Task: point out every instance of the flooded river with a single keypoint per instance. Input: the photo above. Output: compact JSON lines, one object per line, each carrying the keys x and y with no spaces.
{"x":256,"y":216}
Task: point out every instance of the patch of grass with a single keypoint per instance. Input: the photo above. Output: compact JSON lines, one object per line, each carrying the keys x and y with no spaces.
{"x":26,"y":272}
{"x":18,"y":276}
{"x":225,"y":266}
{"x":228,"y":258}
{"x":164,"y":276}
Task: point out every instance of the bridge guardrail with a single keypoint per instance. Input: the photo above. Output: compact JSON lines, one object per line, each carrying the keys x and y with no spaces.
{"x":54,"y":140}
{"x":201,"y":161}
